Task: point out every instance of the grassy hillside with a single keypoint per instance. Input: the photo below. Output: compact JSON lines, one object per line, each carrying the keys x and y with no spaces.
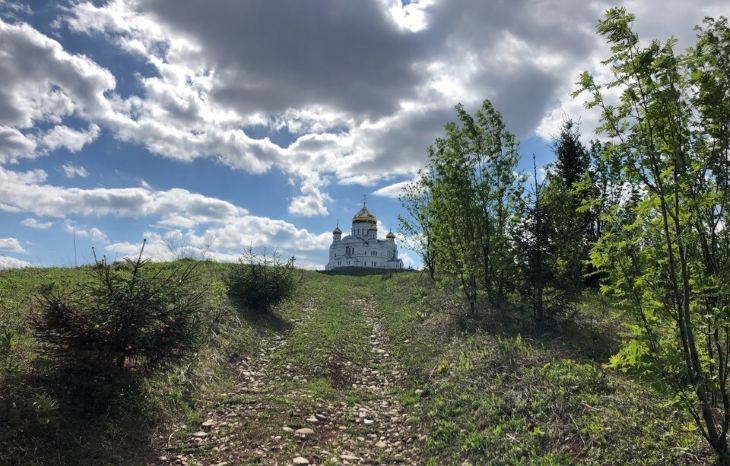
{"x":375,"y":369}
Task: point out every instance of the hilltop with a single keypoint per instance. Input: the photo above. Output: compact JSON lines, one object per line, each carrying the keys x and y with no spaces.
{"x":380,"y":369}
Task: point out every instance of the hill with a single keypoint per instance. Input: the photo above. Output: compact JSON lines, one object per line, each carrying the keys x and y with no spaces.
{"x":354,"y":370}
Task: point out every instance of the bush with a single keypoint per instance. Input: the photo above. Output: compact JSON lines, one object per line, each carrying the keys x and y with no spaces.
{"x":123,"y":319}
{"x":259,"y":281}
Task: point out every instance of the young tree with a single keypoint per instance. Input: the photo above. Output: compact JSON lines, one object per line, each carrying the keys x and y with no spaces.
{"x":671,"y":264}
{"x":474,"y":201}
{"x":566,"y":192}
{"x":417,"y":224}
{"x":534,"y":245}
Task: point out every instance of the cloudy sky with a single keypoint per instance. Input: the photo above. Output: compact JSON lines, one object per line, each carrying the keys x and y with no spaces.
{"x":213,"y":126}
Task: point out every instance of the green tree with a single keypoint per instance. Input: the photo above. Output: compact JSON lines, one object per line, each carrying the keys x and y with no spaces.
{"x":668,"y":259}
{"x":474,"y":199}
{"x":417,"y":223}
{"x":556,"y":229}
{"x":534,"y":245}
{"x":126,"y":318}
{"x":570,"y":227}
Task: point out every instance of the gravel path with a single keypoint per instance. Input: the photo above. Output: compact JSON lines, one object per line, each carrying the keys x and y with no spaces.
{"x":259,"y":423}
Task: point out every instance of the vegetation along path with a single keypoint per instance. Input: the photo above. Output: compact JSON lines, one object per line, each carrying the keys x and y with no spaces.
{"x":359,"y":370}
{"x":325,"y":391}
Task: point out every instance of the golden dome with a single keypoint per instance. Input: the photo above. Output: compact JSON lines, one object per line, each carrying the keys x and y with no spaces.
{"x":337,"y":231}
{"x":390,"y":235}
{"x":364,"y":216}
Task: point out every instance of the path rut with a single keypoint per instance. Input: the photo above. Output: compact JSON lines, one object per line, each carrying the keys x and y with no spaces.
{"x":259,"y":423}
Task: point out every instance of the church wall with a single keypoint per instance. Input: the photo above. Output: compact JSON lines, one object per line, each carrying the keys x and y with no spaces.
{"x":362,"y":249}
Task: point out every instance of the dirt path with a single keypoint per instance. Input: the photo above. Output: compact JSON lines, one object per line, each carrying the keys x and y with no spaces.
{"x":274,"y":416}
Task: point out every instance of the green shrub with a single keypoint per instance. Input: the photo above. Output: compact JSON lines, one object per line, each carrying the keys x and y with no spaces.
{"x":259,"y":281}
{"x":122,"y":319}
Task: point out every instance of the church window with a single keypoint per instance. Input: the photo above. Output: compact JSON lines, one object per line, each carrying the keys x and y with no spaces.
{"x":348,"y":262}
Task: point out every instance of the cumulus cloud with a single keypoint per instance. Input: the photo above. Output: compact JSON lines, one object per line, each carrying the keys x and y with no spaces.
{"x":226,"y":243}
{"x":26,"y":192}
{"x":72,"y":171}
{"x":94,"y":233}
{"x":387,"y":74}
{"x":43,"y":82}
{"x":33,"y":223}
{"x":12,"y":245}
{"x":360,"y":89}
{"x":7,"y":262}
{"x":14,"y":144}
{"x":69,"y":138}
{"x":363,"y":86}
{"x":313,"y":199}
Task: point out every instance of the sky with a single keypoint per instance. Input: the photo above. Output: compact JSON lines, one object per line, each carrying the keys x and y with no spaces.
{"x":208,"y":127}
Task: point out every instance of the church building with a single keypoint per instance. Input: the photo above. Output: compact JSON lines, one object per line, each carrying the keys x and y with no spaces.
{"x":362,"y":248}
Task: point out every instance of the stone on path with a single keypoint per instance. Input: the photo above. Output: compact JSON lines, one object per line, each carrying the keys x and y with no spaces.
{"x":300,"y":460}
{"x":304,"y":431}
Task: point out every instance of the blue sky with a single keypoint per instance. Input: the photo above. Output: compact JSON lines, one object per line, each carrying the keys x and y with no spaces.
{"x":265,"y":123}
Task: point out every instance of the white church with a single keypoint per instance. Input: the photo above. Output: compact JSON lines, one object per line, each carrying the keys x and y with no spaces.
{"x":362,"y":248}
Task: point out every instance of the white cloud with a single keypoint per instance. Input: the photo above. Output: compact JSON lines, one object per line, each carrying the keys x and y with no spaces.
{"x":7,"y":262}
{"x":14,"y":144}
{"x":410,"y":16}
{"x":25,"y":192}
{"x":71,"y":171}
{"x":71,"y":139}
{"x":227,"y":243}
{"x":12,"y":245}
{"x":409,"y":261}
{"x":9,"y":208}
{"x":94,"y":233}
{"x":393,"y":191}
{"x":313,"y":199}
{"x":33,"y":223}
{"x":42,"y":82}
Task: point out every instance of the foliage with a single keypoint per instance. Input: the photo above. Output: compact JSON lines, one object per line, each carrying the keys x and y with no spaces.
{"x":668,"y":256}
{"x":556,"y":233}
{"x":21,"y":405}
{"x":516,"y":394}
{"x":474,"y":188}
{"x":417,"y":224}
{"x":121,"y":320}
{"x":260,"y":281}
{"x":572,"y":228}
{"x":536,"y":252}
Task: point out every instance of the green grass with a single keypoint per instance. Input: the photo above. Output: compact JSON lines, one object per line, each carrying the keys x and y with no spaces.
{"x":494,"y":390}
{"x":506,"y":393}
{"x":42,"y":419}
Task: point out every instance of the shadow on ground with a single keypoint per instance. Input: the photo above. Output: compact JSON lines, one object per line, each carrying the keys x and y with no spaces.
{"x":62,"y":420}
{"x":266,"y":321}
